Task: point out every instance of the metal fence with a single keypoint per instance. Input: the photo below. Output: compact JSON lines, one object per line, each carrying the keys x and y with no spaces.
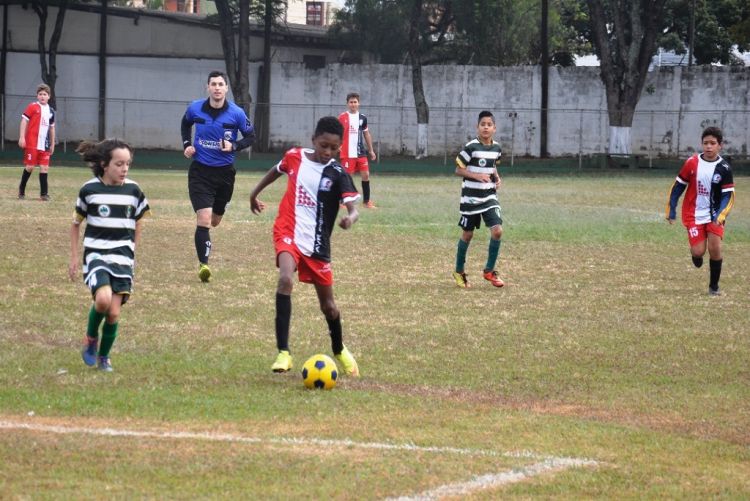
{"x":571,"y":132}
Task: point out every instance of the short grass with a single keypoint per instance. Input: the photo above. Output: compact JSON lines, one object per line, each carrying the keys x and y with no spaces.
{"x":603,"y":345}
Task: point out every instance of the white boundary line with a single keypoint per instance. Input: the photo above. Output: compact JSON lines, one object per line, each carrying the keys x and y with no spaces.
{"x":223,"y":437}
{"x":497,"y":479}
{"x":546,"y":464}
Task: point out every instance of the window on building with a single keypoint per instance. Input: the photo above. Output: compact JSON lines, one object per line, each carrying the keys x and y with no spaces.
{"x":314,"y":62}
{"x":315,"y":13}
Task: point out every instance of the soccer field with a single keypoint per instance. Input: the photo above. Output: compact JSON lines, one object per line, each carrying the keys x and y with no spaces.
{"x":601,"y":370}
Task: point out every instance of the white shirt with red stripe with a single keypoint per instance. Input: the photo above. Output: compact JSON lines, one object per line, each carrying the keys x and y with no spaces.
{"x":41,"y":118}
{"x":699,"y":175}
{"x":308,"y":209}
{"x":353,"y":142}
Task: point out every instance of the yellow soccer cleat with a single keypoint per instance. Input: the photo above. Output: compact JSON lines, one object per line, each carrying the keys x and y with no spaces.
{"x":283,"y":362}
{"x":348,"y":363}
{"x":461,"y":280}
{"x":204,"y":273}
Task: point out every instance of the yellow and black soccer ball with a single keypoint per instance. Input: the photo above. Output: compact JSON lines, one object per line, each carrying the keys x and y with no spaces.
{"x":320,"y":372}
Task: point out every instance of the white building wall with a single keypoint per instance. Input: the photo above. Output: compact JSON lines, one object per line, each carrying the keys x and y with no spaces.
{"x":146,"y":99}
{"x":296,"y":12}
{"x":156,"y":68}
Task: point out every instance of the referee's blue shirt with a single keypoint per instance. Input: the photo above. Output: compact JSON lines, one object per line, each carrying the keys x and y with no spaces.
{"x":211,"y":126}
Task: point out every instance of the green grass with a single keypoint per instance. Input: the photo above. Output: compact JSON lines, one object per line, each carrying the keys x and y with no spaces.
{"x":603,"y":345}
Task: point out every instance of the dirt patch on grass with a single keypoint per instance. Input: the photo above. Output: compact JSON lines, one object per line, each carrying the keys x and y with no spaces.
{"x":658,"y":422}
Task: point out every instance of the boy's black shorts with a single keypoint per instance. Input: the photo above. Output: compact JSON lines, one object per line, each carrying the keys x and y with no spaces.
{"x":211,"y":186}
{"x":119,"y":285}
{"x":491,"y":218}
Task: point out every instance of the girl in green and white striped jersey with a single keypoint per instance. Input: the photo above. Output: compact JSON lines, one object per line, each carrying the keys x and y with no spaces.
{"x":113,"y":207}
{"x":477,"y":164}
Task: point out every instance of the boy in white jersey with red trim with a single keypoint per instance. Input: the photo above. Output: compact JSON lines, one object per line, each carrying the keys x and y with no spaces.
{"x":357,"y":145}
{"x":709,"y":198}
{"x":316,"y":186}
{"x":36,"y":136}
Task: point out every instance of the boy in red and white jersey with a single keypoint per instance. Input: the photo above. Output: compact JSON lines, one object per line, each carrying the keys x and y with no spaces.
{"x":356,"y":145}
{"x":36,"y":137}
{"x":708,"y":184}
{"x":317,"y":184}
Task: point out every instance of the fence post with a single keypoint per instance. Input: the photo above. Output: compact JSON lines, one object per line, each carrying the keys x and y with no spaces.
{"x":580,"y":140}
{"x":445,"y":136}
{"x":380,"y":136}
{"x":512,"y":115}
{"x":57,"y":131}
{"x":651,"y":141}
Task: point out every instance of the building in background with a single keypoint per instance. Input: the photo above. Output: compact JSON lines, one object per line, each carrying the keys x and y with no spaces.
{"x":307,"y":12}
{"x":311,"y":13}
{"x":187,"y":6}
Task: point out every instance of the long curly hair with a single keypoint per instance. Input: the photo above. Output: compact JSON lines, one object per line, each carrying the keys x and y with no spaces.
{"x":97,"y":155}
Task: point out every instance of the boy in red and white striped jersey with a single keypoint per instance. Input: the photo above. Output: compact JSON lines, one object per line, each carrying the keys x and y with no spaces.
{"x":36,"y":137}
{"x":708,"y":200}
{"x":316,"y":186}
{"x":356,"y":145}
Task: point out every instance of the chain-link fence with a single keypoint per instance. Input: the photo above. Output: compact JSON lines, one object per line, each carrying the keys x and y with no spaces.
{"x":571,"y":132}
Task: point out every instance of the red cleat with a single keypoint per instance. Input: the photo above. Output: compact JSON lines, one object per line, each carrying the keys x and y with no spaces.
{"x":492,"y":276}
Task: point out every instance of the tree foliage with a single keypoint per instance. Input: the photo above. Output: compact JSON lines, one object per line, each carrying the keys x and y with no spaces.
{"x":380,"y":27}
{"x":720,"y":26}
{"x":481,"y":32}
{"x":508,"y":32}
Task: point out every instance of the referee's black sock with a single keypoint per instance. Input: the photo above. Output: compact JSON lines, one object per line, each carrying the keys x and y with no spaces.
{"x":283,"y":318}
{"x":366,"y":190}
{"x":715,"y":266}
{"x":334,"y":329}
{"x":24,"y":179}
{"x":202,"y":243}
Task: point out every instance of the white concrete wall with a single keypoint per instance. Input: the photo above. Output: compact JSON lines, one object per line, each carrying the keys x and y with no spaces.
{"x":159,"y":35}
{"x":147,"y":95}
{"x":146,"y":98}
{"x":148,"y":36}
{"x":669,"y":117}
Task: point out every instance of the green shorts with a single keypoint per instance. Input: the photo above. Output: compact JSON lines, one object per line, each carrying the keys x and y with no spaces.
{"x":491,"y":218}
{"x":119,"y":285}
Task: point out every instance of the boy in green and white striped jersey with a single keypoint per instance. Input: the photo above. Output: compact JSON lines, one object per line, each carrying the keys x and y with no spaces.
{"x":477,"y":164}
{"x":113,"y":207}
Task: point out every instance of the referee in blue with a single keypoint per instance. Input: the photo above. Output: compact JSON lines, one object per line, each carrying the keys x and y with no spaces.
{"x":218,"y":123}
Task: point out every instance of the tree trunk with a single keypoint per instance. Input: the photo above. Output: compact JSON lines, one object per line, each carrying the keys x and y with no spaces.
{"x":241,"y":84}
{"x":49,"y":70}
{"x":236,"y":58}
{"x":619,"y":140}
{"x":625,"y":41}
{"x":545,"y":80}
{"x":263,"y":109}
{"x":226,"y":28}
{"x":41,"y":11}
{"x":54,"y":42}
{"x":103,"y":72}
{"x":420,"y":103}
